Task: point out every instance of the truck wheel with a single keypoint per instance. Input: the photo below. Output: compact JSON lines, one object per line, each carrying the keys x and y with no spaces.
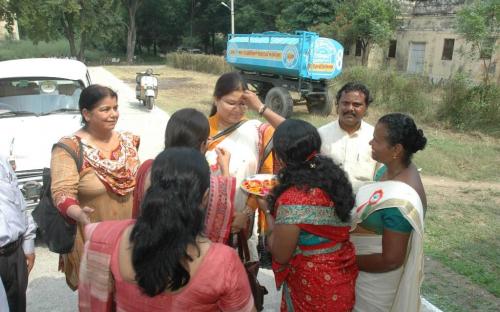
{"x":280,"y":101}
{"x":321,"y":105}
{"x":150,"y":102}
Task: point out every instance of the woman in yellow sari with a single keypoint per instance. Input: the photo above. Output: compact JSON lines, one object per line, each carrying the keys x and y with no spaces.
{"x":244,"y":139}
{"x":389,"y":221}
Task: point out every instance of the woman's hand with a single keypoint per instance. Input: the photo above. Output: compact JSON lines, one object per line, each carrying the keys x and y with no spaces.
{"x":80,"y":215}
{"x":223,"y":158}
{"x":240,"y":221}
{"x":252,"y":101}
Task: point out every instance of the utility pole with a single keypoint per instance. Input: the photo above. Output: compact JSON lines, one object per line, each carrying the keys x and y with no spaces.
{"x":231,"y":8}
{"x":232,"y":17}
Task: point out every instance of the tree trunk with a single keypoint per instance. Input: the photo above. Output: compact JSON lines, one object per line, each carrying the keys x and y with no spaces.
{"x":486,"y":71}
{"x":83,"y":43}
{"x":69,"y":33}
{"x":365,"y":52}
{"x":132,"y":29}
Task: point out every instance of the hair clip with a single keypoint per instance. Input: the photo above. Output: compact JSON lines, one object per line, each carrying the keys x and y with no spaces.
{"x":312,"y":155}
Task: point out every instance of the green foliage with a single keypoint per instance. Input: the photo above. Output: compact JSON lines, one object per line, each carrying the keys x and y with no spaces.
{"x":468,"y":106}
{"x":253,"y":16}
{"x":80,"y":22}
{"x":369,"y":21}
{"x":479,"y":24}
{"x":395,"y":91}
{"x":212,"y":64}
{"x":162,"y":23}
{"x":304,"y":14}
{"x":60,"y":48}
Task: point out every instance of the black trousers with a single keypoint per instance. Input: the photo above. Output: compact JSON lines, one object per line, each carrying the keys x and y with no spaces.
{"x":14,"y":273}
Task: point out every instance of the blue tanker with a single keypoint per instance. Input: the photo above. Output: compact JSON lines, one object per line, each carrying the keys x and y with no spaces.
{"x":275,"y":63}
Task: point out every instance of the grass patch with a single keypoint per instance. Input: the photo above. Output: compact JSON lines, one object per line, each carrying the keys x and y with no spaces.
{"x":460,"y":157}
{"x":461,"y":233}
{"x":212,"y":64}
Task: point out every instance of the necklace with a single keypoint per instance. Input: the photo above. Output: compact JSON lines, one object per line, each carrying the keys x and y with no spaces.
{"x":394,"y":175}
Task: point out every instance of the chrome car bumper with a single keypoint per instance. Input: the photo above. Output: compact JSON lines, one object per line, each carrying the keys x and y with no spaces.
{"x":30,"y":183}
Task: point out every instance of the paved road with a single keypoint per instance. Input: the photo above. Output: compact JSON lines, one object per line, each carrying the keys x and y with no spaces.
{"x":47,"y":290}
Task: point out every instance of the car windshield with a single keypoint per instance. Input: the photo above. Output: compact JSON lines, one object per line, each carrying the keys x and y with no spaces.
{"x":38,"y":96}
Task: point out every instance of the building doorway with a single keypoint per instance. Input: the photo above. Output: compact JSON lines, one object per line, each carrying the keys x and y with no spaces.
{"x":416,"y":58}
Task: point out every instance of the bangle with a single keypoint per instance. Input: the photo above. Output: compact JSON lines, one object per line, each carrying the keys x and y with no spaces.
{"x":262,"y":110}
{"x":248,"y":212}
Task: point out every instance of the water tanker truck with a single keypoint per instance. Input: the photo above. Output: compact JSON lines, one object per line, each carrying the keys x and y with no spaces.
{"x":276,"y":64}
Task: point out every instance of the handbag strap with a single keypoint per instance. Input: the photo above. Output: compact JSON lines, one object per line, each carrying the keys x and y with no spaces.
{"x":77,"y":158}
{"x":243,"y":250}
{"x":228,"y":130}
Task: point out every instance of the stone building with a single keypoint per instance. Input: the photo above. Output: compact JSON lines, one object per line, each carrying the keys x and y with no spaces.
{"x":425,"y":43}
{"x":4,"y":34}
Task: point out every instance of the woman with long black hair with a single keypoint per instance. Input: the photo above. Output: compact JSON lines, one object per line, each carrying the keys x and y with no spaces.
{"x":313,"y":258}
{"x":162,"y":261}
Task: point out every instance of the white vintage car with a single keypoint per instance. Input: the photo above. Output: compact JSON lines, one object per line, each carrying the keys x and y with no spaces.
{"x":38,"y":105}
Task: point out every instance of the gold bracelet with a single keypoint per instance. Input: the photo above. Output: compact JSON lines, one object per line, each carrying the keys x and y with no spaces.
{"x":248,"y":212}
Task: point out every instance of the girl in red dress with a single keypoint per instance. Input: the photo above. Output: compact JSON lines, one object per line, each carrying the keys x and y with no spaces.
{"x":313,"y":259}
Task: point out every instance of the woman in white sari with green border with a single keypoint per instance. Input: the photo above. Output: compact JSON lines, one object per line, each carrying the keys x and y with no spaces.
{"x":388,"y":221}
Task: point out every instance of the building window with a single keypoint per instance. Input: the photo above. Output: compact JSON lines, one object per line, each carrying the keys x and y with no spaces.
{"x":358,"y":48}
{"x":448,"y":49}
{"x":392,"y":48}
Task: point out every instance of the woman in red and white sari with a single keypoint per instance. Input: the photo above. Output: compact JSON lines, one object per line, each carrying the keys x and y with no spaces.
{"x":389,"y":221}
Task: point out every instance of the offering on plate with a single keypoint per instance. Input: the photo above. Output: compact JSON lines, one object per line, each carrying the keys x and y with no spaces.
{"x":259,"y":184}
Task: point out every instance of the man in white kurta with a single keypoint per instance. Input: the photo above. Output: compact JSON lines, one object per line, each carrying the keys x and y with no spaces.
{"x":346,"y":140}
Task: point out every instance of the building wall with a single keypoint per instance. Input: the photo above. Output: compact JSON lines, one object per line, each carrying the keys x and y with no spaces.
{"x":4,"y":34}
{"x":433,"y":30}
{"x":430,"y":22}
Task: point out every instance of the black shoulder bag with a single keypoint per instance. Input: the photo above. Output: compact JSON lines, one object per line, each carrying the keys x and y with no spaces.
{"x":57,"y":232}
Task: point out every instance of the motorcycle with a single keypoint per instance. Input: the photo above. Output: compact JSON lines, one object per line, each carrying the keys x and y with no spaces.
{"x":146,"y":89}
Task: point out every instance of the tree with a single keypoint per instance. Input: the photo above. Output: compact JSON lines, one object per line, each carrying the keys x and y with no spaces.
{"x":479,"y":24}
{"x":257,"y":15}
{"x":367,"y":21}
{"x":132,"y":6}
{"x":304,"y":14}
{"x":162,"y":23}
{"x":76,"y":20}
